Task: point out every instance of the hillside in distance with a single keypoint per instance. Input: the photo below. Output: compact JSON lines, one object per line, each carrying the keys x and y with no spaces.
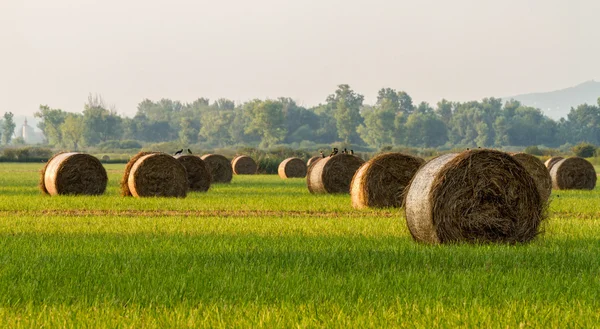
{"x":557,"y":104}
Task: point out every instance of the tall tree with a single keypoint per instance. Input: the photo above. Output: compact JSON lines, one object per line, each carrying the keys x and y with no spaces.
{"x":100,"y":123}
{"x":8,"y":128}
{"x":268,"y":121}
{"x":378,"y":127}
{"x":51,"y":120}
{"x":72,"y":130}
{"x":347,"y":111}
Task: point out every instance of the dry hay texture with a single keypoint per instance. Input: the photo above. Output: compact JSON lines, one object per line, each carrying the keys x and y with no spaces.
{"x":477,"y":196}
{"x":573,"y":174}
{"x":73,"y":174}
{"x":381,"y":181}
{"x":244,"y":165}
{"x":125,"y":180}
{"x":538,"y":171}
{"x":313,"y":160}
{"x":219,"y":168}
{"x":551,"y":162}
{"x":333,"y":174}
{"x":292,"y":168}
{"x":157,"y":175}
{"x":197,"y":172}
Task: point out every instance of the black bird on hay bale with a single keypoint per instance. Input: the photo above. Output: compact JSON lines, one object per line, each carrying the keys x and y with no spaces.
{"x":334,"y":152}
{"x":345,"y":151}
{"x":322,"y":155}
{"x":189,"y":151}
{"x":179,"y":152}
{"x":351,"y":152}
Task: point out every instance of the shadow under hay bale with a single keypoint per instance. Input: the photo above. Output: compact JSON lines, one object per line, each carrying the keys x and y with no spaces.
{"x":158,"y":175}
{"x":219,"y":168}
{"x":538,"y":171}
{"x":551,"y":162}
{"x":197,"y":172}
{"x":333,"y":174}
{"x":313,"y":160}
{"x":381,"y":181}
{"x":573,"y":174}
{"x":124,"y":184}
{"x":244,"y":165}
{"x":73,"y":174}
{"x":477,"y":196}
{"x":292,"y":168}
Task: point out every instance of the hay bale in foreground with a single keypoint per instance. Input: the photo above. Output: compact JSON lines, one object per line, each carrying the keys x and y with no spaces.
{"x":197,"y":172}
{"x":551,"y":162}
{"x":333,"y":174}
{"x":313,"y":160}
{"x":381,"y":181}
{"x":292,"y":168}
{"x":476,"y":196}
{"x":125,"y":179}
{"x":73,"y":174}
{"x":219,"y":168}
{"x":538,"y":171}
{"x":158,"y":175}
{"x":243,"y":165}
{"x":573,"y":174}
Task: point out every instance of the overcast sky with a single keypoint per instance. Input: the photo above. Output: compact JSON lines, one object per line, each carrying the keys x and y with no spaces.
{"x":57,"y":52}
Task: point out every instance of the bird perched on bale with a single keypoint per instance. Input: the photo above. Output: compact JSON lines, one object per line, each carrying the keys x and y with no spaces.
{"x":322,"y":155}
{"x":179,"y":152}
{"x":189,"y":151}
{"x":352,"y":152}
{"x":334,"y":152}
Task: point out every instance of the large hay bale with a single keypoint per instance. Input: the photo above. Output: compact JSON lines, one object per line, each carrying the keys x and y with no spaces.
{"x":381,"y":181}
{"x":125,"y":179}
{"x":313,"y":160}
{"x":551,"y":162}
{"x":73,"y":174}
{"x":158,"y":175}
{"x":219,"y":168}
{"x":333,"y":174}
{"x":538,"y":171}
{"x":197,"y":172}
{"x":243,"y":165}
{"x":292,"y":168}
{"x":474,"y":196}
{"x":573,"y":174}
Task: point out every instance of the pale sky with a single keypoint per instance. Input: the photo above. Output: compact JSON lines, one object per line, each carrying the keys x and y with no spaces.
{"x":56,"y":52}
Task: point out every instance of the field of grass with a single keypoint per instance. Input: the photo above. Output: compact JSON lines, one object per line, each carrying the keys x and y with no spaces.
{"x":263,"y":252}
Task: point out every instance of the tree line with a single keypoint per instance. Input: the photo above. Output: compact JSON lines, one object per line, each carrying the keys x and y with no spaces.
{"x":394,"y":120}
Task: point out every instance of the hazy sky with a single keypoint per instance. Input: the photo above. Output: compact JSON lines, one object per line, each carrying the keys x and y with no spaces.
{"x":56,"y":52}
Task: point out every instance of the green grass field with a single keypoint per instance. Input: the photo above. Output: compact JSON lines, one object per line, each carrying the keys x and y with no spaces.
{"x":263,"y":252}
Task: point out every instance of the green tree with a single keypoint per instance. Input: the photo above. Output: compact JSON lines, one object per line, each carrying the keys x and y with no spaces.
{"x":8,"y":128}
{"x":378,"y":127}
{"x":100,"y":123}
{"x":425,"y":130}
{"x":444,"y":111}
{"x":268,"y":121}
{"x":347,"y":111}
{"x":72,"y":130}
{"x":51,"y":120}
{"x":215,"y":127}
{"x":188,"y":133}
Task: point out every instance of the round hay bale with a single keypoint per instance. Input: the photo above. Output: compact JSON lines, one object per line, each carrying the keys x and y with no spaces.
{"x":551,"y":162}
{"x":313,"y":160}
{"x":219,"y":168}
{"x":125,"y":179}
{"x":73,"y":174}
{"x":381,"y":181}
{"x":538,"y":171}
{"x":197,"y":172}
{"x":573,"y":174}
{"x":105,"y":158}
{"x":476,"y":196}
{"x":292,"y":168}
{"x":158,"y":175}
{"x":243,"y":165}
{"x":333,"y":174}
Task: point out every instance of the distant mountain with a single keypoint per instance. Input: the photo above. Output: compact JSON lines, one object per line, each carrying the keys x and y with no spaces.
{"x":557,"y":104}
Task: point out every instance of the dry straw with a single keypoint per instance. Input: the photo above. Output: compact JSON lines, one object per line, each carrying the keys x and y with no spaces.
{"x":313,"y":160}
{"x":73,"y":174}
{"x":244,"y":165}
{"x":381,"y":181}
{"x":573,"y":174}
{"x":476,"y":196}
{"x":125,"y":179}
{"x":333,"y":174}
{"x":219,"y":168}
{"x":551,"y":162}
{"x":538,"y":171}
{"x":197,"y":172}
{"x":157,"y":175}
{"x":292,"y":168}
